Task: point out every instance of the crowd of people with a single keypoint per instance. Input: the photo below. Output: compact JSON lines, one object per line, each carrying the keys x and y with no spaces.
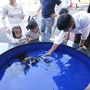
{"x":79,"y":23}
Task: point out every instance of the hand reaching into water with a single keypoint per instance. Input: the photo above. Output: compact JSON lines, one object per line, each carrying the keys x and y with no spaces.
{"x":47,"y":54}
{"x":48,"y":58}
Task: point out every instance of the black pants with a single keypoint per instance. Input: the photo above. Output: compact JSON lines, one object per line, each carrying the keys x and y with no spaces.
{"x":86,"y":43}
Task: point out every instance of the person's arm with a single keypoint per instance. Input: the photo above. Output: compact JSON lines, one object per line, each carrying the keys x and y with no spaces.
{"x":81,"y":44}
{"x":88,"y":87}
{"x":4,"y":13}
{"x":53,"y":15}
{"x":85,"y":33}
{"x":22,"y":13}
{"x":67,"y":37}
{"x":28,"y":38}
{"x":39,"y":32}
{"x":3,"y":17}
{"x":58,"y":40}
{"x":54,"y":27}
{"x":58,"y":5}
{"x":53,"y":32}
{"x":38,"y":11}
{"x":53,"y":48}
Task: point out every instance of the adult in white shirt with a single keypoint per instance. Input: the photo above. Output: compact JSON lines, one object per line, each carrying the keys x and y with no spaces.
{"x":79,"y":24}
{"x":82,"y":31}
{"x":82,"y":28}
{"x":14,"y":13}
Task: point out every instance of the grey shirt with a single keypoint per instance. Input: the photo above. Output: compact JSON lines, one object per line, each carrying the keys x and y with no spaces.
{"x":33,"y":35}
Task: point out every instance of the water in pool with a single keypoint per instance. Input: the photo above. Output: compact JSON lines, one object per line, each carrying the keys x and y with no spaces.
{"x":64,"y":72}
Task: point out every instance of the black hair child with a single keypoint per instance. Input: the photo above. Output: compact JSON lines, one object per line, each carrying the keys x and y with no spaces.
{"x":33,"y":33}
{"x":17,"y":32}
{"x":17,"y":35}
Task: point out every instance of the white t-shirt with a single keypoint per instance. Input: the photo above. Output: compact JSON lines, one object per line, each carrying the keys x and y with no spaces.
{"x":82,"y":23}
{"x":14,"y":14}
{"x":32,"y":34}
{"x":19,"y":41}
{"x":59,"y":39}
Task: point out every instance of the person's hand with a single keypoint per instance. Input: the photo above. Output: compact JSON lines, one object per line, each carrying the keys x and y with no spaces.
{"x":53,"y":15}
{"x":23,"y":17}
{"x":83,"y":47}
{"x":47,"y":54}
{"x":28,"y":39}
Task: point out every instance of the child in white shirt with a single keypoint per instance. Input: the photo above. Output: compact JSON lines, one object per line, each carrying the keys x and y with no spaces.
{"x":17,"y":35}
{"x":79,"y":24}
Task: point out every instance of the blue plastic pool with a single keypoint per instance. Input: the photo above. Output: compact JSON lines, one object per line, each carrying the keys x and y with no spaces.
{"x":68,"y":70}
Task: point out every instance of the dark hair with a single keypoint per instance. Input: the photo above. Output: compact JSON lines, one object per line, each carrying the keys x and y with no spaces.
{"x":14,"y":29}
{"x":88,"y":10}
{"x":64,"y":21}
{"x":31,"y":24}
{"x":63,"y":10}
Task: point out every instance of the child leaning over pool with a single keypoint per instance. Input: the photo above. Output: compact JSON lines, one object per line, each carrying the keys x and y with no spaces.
{"x":79,"y":24}
{"x":33,"y":33}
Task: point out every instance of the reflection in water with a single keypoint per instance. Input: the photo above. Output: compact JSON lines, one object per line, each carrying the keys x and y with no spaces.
{"x":60,"y":73}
